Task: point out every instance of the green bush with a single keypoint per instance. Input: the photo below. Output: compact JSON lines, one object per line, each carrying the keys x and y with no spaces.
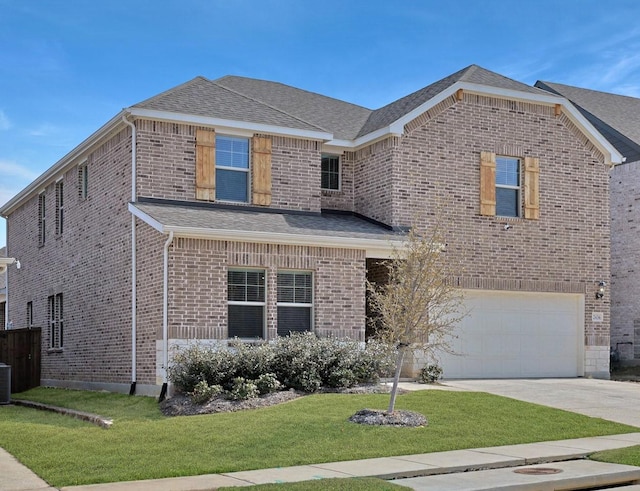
{"x":242,"y":389}
{"x":301,"y":361}
{"x":203,"y":392}
{"x":430,"y":374}
{"x":267,"y":383}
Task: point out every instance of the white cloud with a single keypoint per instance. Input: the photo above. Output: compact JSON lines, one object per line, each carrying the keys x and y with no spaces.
{"x":13,"y":169}
{"x":5,"y":124}
{"x":45,"y":129}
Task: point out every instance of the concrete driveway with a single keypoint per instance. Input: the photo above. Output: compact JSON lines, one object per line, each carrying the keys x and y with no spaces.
{"x":615,"y":401}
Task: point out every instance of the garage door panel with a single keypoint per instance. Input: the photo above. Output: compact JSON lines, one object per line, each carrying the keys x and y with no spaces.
{"x":510,"y":335}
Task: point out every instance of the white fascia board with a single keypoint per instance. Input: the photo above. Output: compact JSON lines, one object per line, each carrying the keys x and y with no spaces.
{"x":228,"y":123}
{"x":149,"y":220}
{"x":576,"y":117}
{"x":4,"y":262}
{"x":374,"y":247}
{"x":61,"y":165}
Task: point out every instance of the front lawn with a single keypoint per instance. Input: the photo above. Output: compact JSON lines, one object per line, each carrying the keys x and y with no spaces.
{"x":143,"y":444}
{"x":628,"y":456}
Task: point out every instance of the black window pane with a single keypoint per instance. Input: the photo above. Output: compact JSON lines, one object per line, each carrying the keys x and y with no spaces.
{"x":231,"y":185}
{"x":293,"y":319}
{"x":246,"y":321}
{"x":506,"y":202}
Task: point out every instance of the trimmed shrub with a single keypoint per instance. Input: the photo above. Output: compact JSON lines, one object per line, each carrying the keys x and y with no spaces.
{"x":430,"y":374}
{"x":267,"y":383}
{"x":242,"y":389}
{"x":301,"y":361}
{"x":203,"y":392}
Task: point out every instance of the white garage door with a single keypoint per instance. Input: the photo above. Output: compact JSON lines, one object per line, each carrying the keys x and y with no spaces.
{"x":512,"y":335}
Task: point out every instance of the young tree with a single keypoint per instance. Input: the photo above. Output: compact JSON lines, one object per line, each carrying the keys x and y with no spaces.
{"x":418,"y":308}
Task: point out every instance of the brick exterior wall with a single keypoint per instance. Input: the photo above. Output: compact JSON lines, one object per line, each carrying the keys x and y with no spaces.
{"x":434,"y":166}
{"x":166,"y":166}
{"x":198,"y":289}
{"x":436,"y":172}
{"x":89,"y":263}
{"x":625,"y":281}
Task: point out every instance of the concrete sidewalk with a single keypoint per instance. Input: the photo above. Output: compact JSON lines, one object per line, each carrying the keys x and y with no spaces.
{"x":408,"y":466}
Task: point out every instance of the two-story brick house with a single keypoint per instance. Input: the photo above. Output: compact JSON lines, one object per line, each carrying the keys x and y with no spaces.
{"x":617,"y":118}
{"x":241,"y":207}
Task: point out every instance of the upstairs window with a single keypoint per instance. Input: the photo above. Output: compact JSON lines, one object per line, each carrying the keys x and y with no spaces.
{"x":56,"y":321}
{"x":42,"y":217}
{"x":507,"y":187}
{"x":232,"y":169}
{"x":246,"y":303}
{"x":59,"y":207}
{"x":83,"y":181}
{"x":295,"y":302}
{"x":330,"y":172}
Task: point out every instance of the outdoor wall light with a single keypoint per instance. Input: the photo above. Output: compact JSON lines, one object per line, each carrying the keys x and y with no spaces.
{"x":600,"y":292}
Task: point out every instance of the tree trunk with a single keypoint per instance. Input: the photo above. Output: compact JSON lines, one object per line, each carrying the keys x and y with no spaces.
{"x":396,"y":379}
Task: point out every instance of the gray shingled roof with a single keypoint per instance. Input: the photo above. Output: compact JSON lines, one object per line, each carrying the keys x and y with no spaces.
{"x":264,"y":102}
{"x":471,"y":74}
{"x":203,"y":97}
{"x":325,"y":225}
{"x":341,"y":118}
{"x":617,"y":117}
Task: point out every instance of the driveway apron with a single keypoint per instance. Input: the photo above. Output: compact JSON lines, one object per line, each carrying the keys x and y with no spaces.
{"x":607,"y":399}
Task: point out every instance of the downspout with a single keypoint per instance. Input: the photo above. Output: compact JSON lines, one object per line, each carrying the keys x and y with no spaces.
{"x":134,"y":307}
{"x":165,"y":319}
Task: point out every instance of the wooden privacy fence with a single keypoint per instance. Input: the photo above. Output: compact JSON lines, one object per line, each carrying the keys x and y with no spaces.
{"x":20,"y":348}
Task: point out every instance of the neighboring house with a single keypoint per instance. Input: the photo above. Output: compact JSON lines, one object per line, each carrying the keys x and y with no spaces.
{"x":251,"y":209}
{"x":3,"y":289}
{"x":617,"y":118}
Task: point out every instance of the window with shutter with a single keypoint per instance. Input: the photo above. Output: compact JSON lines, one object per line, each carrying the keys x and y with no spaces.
{"x":56,"y":321}
{"x":205,"y":165}
{"x":501,"y":188}
{"x":295,"y":302}
{"x":59,"y":207}
{"x":261,"y":171}
{"x":246,"y":303}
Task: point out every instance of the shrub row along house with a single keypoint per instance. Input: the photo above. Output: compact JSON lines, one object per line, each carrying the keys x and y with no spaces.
{"x":245,"y":208}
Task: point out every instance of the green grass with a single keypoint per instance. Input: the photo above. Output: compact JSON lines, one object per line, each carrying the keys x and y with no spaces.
{"x":338,"y":484}
{"x":143,"y":444}
{"x":628,"y":456}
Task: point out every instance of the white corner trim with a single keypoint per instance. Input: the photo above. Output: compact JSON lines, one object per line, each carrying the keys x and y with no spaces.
{"x":229,"y":124}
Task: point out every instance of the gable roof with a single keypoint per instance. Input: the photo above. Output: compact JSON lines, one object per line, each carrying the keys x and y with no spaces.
{"x":259,"y":106}
{"x":617,"y":117}
{"x":472,"y":74}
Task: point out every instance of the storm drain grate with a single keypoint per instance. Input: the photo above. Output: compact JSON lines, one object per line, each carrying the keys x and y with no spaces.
{"x":538,"y":471}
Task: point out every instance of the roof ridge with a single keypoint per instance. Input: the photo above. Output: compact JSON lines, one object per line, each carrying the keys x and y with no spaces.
{"x":267,"y":105}
{"x":171,"y":90}
{"x":295,"y":88}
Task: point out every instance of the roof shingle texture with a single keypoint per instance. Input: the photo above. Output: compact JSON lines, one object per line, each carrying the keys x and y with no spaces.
{"x":259,"y":101}
{"x":617,"y":117}
{"x":216,"y":219}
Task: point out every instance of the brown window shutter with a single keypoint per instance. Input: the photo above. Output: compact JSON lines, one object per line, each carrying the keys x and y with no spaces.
{"x":205,"y":165}
{"x":531,"y":188}
{"x":487,"y":183}
{"x":261,"y":171}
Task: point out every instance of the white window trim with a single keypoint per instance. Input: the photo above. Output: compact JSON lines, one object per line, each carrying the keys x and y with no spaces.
{"x":250,"y":304}
{"x":310,"y":305}
{"x":236,"y":169}
{"x":507,"y":186}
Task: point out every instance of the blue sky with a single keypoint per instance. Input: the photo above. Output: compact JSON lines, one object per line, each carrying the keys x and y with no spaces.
{"x":68,"y":66}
